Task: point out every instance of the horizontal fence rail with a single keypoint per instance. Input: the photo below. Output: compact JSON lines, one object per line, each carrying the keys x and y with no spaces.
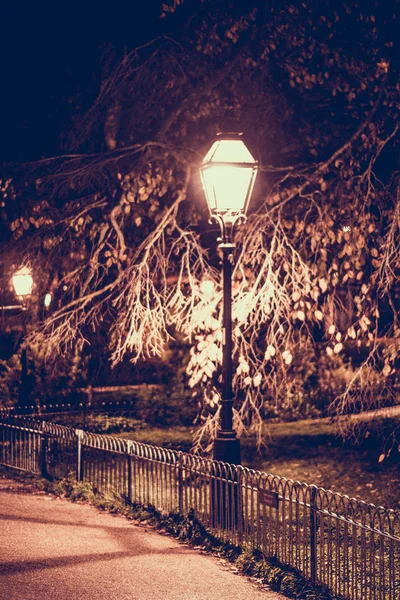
{"x":349,"y":545}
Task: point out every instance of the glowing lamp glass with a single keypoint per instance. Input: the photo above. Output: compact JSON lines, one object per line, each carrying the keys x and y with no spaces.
{"x":228,"y":173}
{"x":23,"y":282}
{"x":47,"y":300}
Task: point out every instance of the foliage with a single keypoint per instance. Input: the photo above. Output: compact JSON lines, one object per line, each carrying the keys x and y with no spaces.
{"x":150,"y":406}
{"x":56,"y":384}
{"x":10,"y":378}
{"x":45,"y":385}
{"x":103,"y":423}
{"x":114,"y":230}
{"x":165,"y":407}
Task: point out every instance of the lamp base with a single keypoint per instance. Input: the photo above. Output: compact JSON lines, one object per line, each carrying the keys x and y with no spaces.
{"x":227,"y":448}
{"x":225,"y":490}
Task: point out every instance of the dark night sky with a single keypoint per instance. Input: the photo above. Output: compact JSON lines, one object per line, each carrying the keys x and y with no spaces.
{"x":47,"y":54}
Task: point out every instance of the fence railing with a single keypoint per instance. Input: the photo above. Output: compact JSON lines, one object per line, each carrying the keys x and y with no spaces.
{"x":349,"y":545}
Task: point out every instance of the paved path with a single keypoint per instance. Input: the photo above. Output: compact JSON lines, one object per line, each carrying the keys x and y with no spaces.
{"x":53,"y":549}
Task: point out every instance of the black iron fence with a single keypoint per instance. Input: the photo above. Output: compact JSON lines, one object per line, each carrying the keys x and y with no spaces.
{"x":349,"y":545}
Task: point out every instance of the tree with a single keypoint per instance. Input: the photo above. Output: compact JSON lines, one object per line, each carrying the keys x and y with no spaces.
{"x":117,"y":227}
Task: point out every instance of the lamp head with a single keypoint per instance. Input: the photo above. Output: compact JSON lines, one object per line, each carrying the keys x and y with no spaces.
{"x":228,"y":172}
{"x":22,"y":282}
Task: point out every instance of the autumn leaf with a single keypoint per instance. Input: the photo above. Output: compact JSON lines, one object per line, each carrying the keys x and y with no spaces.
{"x":323,"y":285}
{"x":287,"y":357}
{"x":386,"y":370}
{"x":257,"y":380}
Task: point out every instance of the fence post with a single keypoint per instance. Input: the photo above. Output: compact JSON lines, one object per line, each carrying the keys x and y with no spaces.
{"x":180,"y":483}
{"x":43,"y":450}
{"x":240,"y":524}
{"x":79,"y":455}
{"x":313,"y":533}
{"x":43,"y":456}
{"x":130,"y":474}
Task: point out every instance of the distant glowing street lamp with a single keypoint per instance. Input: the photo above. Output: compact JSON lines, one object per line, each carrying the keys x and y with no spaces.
{"x":23,"y":283}
{"x":228,"y":173}
{"x":47,"y":300}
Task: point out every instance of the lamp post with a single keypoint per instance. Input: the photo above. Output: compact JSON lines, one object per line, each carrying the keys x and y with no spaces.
{"x":22,"y":282}
{"x":228,"y":173}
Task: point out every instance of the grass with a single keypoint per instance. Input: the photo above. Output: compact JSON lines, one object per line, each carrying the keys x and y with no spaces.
{"x":307,"y":451}
{"x":312,"y":451}
{"x":175,"y":438}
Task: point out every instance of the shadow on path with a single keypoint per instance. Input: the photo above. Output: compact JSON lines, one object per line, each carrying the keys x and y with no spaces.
{"x":75,"y":523}
{"x":124,"y":535}
{"x":17,"y":567}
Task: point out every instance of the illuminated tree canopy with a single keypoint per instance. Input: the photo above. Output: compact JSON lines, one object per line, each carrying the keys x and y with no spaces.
{"x":117,"y":228}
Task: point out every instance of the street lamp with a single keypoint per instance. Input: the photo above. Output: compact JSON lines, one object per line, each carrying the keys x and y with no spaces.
{"x":23,"y":282}
{"x":227,"y":173}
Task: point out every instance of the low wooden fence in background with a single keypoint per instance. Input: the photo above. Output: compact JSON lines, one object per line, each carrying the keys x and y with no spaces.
{"x":349,"y":545}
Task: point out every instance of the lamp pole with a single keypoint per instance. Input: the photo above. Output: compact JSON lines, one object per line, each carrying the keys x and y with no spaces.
{"x":22,"y":282}
{"x":228,"y":172}
{"x":227,"y":444}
